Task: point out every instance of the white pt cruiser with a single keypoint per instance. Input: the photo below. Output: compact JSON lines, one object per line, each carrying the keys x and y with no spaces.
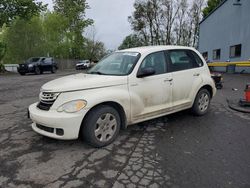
{"x":124,"y":88}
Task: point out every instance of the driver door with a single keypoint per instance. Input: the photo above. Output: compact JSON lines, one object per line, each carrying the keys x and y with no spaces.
{"x":151,"y":96}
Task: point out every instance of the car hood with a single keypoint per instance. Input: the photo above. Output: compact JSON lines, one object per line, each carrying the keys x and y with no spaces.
{"x":81,"y":63}
{"x":83,"y":82}
{"x":28,"y":63}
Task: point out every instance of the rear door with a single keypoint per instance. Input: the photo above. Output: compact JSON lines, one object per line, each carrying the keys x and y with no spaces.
{"x":185,"y":66}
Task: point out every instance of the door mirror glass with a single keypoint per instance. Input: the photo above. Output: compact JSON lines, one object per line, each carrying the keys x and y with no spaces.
{"x":147,"y":71}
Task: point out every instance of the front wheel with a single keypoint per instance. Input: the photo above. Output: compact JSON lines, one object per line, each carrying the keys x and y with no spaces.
{"x":53,"y":69}
{"x":37,"y":70}
{"x":101,"y":126}
{"x":201,"y":103}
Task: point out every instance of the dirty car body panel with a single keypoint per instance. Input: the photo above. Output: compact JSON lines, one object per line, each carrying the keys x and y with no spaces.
{"x":166,"y":90}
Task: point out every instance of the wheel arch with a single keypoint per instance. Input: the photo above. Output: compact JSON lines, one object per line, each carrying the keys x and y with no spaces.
{"x":118,"y":107}
{"x":207,"y":87}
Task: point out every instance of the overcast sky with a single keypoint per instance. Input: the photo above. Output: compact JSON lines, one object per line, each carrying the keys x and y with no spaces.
{"x":111,"y":19}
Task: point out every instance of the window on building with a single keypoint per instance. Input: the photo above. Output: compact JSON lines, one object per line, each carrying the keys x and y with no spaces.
{"x":205,"y":55}
{"x":235,"y":51}
{"x":216,"y":54}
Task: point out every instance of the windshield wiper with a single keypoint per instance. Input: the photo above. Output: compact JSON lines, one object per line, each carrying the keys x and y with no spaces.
{"x":97,"y":72}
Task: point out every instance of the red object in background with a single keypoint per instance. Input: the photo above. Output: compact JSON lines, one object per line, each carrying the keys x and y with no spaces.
{"x":247,"y":93}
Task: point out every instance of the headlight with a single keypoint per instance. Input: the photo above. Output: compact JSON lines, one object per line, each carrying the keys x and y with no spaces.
{"x":72,"y":106}
{"x":30,"y":65}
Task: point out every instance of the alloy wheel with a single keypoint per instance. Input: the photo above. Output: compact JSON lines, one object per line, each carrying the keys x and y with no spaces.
{"x":105,"y":127}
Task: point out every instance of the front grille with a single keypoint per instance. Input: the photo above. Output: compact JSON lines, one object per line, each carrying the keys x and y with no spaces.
{"x":23,"y":67}
{"x":44,"y":128}
{"x":46,"y":100}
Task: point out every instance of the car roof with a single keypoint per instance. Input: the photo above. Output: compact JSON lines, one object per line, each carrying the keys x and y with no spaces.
{"x":41,"y":57}
{"x":150,"y":49}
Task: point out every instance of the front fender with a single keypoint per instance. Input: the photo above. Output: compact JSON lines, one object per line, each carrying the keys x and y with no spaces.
{"x":117,"y":94}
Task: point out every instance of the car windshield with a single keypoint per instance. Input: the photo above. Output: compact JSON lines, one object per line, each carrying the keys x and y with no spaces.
{"x":32,"y":60}
{"x":84,"y":61}
{"x":118,"y":63}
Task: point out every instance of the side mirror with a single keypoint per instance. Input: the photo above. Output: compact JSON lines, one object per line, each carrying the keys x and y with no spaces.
{"x":144,"y":72}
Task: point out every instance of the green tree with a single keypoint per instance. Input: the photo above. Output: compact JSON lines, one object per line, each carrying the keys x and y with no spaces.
{"x":211,"y":5}
{"x":55,"y":26}
{"x":74,"y":11}
{"x":25,"y":9}
{"x":2,"y":44}
{"x":24,"y":39}
{"x":94,"y":50}
{"x":2,"y":50}
{"x":131,"y":41}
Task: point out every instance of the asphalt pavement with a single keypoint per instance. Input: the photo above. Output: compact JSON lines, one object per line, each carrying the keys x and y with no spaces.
{"x":178,"y":150}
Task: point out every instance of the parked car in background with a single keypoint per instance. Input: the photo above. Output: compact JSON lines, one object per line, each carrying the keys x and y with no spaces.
{"x":37,"y":65}
{"x":125,"y":88}
{"x":84,"y":64}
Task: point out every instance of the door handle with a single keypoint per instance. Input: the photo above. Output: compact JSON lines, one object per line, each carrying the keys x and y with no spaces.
{"x":168,"y":80}
{"x":197,"y":74}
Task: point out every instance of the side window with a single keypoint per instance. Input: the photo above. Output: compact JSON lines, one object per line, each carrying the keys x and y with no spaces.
{"x":47,"y":60}
{"x":157,"y":61}
{"x":198,"y":60}
{"x":183,"y":59}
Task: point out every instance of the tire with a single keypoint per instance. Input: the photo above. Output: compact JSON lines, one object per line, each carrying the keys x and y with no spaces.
{"x":22,"y":73}
{"x":101,"y":126}
{"x":37,"y":70}
{"x":53,"y":69}
{"x":201,"y":103}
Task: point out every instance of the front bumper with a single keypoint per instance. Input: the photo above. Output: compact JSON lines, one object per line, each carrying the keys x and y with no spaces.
{"x":81,"y":66}
{"x":58,"y":125}
{"x":26,"y":69}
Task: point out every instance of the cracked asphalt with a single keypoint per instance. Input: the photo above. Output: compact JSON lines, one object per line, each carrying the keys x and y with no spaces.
{"x":175,"y":151}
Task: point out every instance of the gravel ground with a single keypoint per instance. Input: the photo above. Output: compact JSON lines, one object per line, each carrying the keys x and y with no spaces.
{"x":175,"y":151}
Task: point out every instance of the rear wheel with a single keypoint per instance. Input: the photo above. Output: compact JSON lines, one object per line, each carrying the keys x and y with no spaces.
{"x":101,"y":126}
{"x":22,"y":73}
{"x":201,"y":103}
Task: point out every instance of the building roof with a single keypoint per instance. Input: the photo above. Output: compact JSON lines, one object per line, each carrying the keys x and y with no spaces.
{"x":213,"y":11}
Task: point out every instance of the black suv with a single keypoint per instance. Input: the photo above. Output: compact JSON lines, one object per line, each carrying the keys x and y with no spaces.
{"x":37,"y":65}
